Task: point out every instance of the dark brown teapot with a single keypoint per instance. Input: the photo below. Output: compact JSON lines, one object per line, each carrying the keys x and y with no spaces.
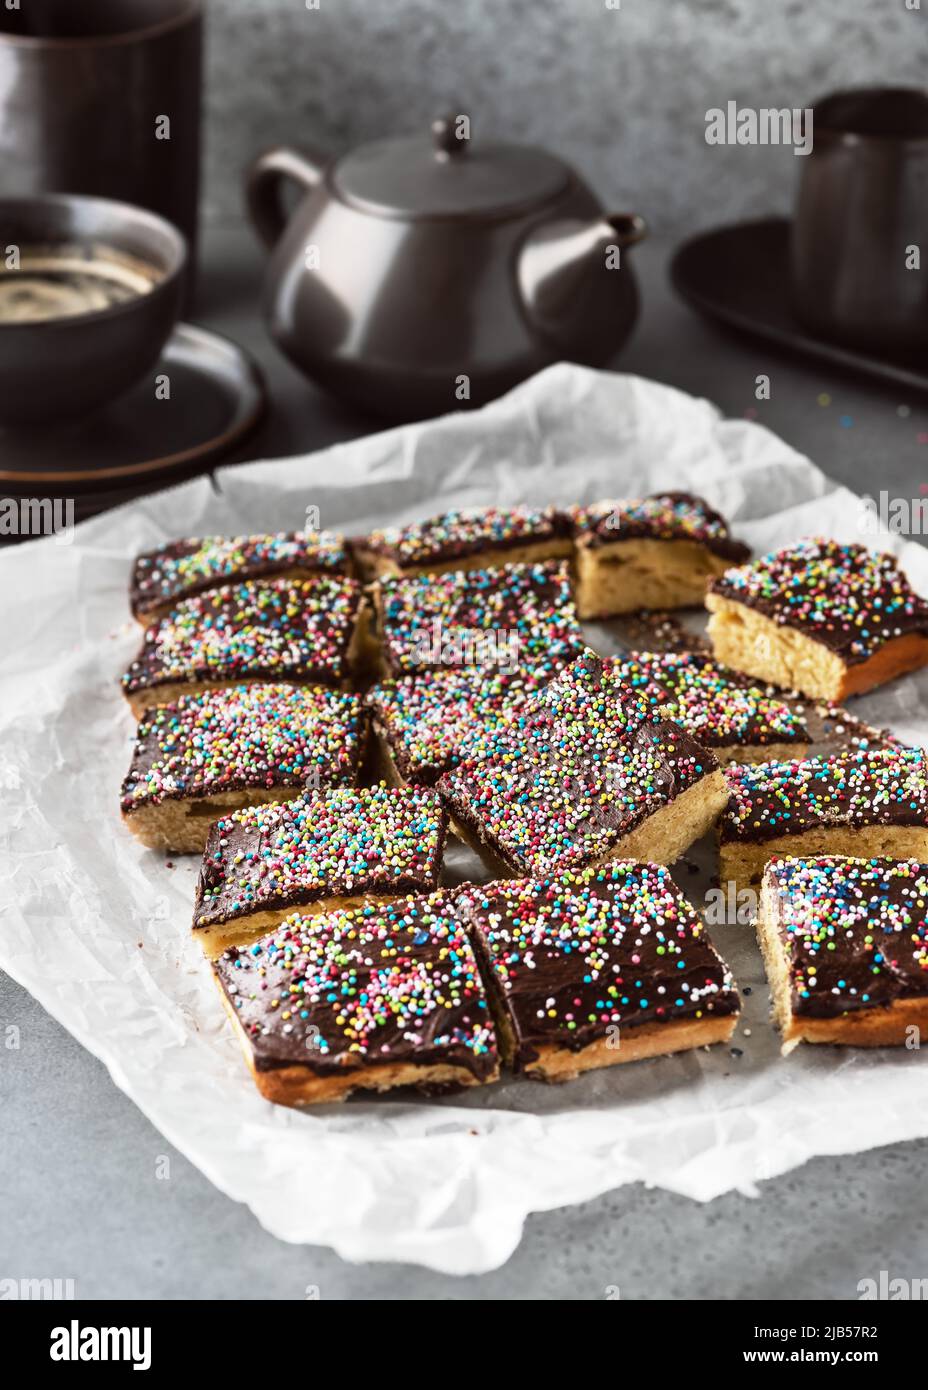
{"x":417,"y":275}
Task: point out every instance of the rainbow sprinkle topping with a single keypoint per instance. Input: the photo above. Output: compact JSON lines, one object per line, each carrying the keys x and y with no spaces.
{"x":245,"y":736}
{"x":339,"y":843}
{"x":713,"y":703}
{"x":429,"y":719}
{"x":511,"y":616}
{"x":867,"y":786}
{"x":465,"y":531}
{"x":185,"y":567}
{"x":571,"y":773}
{"x":272,"y":629}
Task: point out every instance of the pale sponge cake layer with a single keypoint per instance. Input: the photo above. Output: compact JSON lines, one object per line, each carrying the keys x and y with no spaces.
{"x":753,"y":644}
{"x":749,"y":642}
{"x":649,"y":1040}
{"x":644,"y":553}
{"x":642,"y":574}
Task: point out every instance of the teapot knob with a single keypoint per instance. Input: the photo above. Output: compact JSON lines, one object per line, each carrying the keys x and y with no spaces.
{"x":451,"y":136}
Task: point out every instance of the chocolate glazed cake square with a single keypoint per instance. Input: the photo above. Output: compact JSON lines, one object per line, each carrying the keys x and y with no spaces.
{"x":585,"y":773}
{"x":326,"y":850}
{"x":361,"y":1000}
{"x":653,"y":553}
{"x":845,"y":944}
{"x":718,"y":706}
{"x":301,"y":630}
{"x":468,"y":538}
{"x":597,"y":967}
{"x":162,"y":578}
{"x":205,"y":755}
{"x":826,"y":619}
{"x":864,"y":801}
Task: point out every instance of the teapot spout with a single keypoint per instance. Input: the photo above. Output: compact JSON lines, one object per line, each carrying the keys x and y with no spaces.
{"x":570,"y":277}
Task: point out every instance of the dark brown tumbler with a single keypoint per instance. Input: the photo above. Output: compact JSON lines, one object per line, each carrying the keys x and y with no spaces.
{"x":861,"y":225}
{"x":85,"y":87}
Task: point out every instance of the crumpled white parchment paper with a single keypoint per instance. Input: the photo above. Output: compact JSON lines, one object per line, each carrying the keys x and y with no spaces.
{"x":97,"y":928}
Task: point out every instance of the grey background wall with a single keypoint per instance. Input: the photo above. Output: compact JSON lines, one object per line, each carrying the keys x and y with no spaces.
{"x":622,"y":93}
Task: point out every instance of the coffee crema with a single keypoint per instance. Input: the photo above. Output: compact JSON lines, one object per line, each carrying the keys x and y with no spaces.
{"x":60,"y":282}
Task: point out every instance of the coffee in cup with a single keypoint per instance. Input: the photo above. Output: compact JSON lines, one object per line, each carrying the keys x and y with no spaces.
{"x":40,"y":283}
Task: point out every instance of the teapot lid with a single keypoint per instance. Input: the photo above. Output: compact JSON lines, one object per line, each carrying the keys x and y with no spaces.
{"x":443,"y":177}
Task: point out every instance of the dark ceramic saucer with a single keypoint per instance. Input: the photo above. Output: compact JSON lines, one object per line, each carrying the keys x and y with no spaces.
{"x":740,"y":276}
{"x":217,"y":397}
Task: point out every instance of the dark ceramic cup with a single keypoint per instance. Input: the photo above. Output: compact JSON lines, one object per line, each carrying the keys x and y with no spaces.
{"x":85,"y":86}
{"x":57,"y":370}
{"x":861,"y":224}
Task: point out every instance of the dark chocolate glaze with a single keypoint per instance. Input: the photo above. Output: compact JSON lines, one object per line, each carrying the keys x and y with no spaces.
{"x":712,"y":529}
{"x":855,"y":930}
{"x":580,"y":767}
{"x":398,"y":986}
{"x":847,"y":598}
{"x":275,"y":629}
{"x":523,"y":614}
{"x":854,"y":788}
{"x":619,"y":943}
{"x":156,"y":582}
{"x":318,"y":847}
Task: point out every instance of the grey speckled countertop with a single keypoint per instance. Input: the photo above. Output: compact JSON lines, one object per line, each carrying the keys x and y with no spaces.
{"x":78,"y":1162}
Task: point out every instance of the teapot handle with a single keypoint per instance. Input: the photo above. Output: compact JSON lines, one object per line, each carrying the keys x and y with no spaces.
{"x":264,"y":181}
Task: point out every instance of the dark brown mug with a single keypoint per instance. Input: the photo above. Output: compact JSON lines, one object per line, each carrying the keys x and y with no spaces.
{"x":84,"y":88}
{"x":861,"y":224}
